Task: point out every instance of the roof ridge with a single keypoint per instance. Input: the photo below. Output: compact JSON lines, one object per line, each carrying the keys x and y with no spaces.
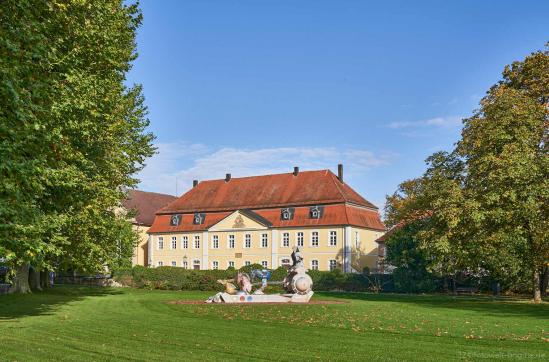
{"x":151,"y":192}
{"x":266,"y":175}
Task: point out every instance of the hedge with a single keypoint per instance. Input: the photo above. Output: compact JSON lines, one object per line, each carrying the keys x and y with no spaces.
{"x":176,"y":278}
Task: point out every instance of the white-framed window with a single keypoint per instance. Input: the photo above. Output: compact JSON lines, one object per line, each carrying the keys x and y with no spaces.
{"x":185,"y":264}
{"x":357,"y":240}
{"x":185,"y":242}
{"x":286,"y":240}
{"x":264,"y":263}
{"x":174,"y":242}
{"x":247,"y":263}
{"x":314,"y":264}
{"x":332,"y":264}
{"x":160,"y":263}
{"x":285,"y":262}
{"x":264,"y":242}
{"x":314,"y":238}
{"x":231,"y":264}
{"x":215,"y":265}
{"x":248,"y":241}
{"x":196,"y":242}
{"x":174,"y":263}
{"x":160,"y":243}
{"x":300,"y":238}
{"x":215,"y":242}
{"x":333,"y":238}
{"x":230,"y":243}
{"x":196,"y":264}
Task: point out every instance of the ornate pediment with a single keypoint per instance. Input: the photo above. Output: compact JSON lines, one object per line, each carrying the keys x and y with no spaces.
{"x":241,"y":220}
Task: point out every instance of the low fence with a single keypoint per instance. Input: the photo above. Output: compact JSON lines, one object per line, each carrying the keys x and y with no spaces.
{"x":91,"y":281}
{"x":4,"y":288}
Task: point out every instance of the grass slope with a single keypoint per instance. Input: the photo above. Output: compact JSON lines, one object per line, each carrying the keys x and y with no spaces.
{"x":125,"y":324}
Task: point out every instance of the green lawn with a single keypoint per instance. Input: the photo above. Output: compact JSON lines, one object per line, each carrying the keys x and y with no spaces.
{"x":126,"y":324}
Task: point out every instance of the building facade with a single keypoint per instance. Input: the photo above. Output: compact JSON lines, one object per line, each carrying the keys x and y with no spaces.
{"x":144,"y":205}
{"x":235,"y":222}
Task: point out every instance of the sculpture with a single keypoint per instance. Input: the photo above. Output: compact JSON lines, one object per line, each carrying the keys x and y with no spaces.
{"x":243,"y":281}
{"x":230,"y":288}
{"x":297,"y":280}
{"x":297,"y":283}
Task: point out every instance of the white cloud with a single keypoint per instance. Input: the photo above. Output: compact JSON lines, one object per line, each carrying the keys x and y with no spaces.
{"x":187,"y":162}
{"x":439,"y":122}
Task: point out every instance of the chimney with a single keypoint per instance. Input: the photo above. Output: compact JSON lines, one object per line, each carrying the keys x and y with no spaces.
{"x":195,"y":183}
{"x":340,"y":172}
{"x":296,"y":170}
{"x":228,"y":177}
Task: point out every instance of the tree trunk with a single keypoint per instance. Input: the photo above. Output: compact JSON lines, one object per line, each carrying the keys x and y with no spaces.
{"x":454,"y":289}
{"x":545,"y":281}
{"x":21,"y":281}
{"x":34,"y":279}
{"x":445,"y":285}
{"x":536,"y":286}
{"x":44,"y":280}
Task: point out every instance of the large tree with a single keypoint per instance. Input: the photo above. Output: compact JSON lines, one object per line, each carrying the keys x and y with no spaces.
{"x":504,"y":145}
{"x":485,"y":206}
{"x":72,"y":134}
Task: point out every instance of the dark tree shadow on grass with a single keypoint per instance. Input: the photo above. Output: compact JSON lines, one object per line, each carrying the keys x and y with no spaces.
{"x":500,"y":307}
{"x":13,"y":306}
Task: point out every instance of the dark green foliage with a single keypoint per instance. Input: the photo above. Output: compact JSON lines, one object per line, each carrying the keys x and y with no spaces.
{"x":279,"y":273}
{"x":248,"y":268}
{"x":404,"y":253}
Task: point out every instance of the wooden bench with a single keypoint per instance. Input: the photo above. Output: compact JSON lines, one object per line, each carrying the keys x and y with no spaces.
{"x":466,"y":290}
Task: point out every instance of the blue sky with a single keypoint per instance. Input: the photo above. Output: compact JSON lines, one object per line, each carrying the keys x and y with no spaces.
{"x":254,"y":87}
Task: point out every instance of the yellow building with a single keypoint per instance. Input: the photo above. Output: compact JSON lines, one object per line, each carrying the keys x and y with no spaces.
{"x":234,"y":222}
{"x":145,"y":205}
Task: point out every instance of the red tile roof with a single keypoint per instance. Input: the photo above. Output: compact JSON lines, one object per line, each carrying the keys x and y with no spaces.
{"x":146,"y":204}
{"x":307,"y":188}
{"x":335,"y":214}
{"x":162,"y":222}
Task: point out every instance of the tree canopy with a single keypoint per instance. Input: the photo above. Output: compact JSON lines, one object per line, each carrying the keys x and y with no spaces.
{"x":72,"y":133}
{"x":485,"y":205}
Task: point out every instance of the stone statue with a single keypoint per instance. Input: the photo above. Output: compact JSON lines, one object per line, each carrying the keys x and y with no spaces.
{"x":297,"y":283}
{"x":230,"y":288}
{"x":244,"y":283}
{"x":297,"y":259}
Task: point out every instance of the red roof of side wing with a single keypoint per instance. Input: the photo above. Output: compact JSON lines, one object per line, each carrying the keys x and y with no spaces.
{"x":257,"y":192}
{"x":146,"y":204}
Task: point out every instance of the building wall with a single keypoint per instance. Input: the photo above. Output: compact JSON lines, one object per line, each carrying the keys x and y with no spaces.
{"x":364,"y":248}
{"x":361,"y":253}
{"x":140,"y":252}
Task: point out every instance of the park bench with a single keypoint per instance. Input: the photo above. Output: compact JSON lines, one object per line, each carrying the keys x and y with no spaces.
{"x":466,"y":290}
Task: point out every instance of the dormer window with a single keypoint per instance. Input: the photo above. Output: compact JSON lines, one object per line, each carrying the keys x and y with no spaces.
{"x":198,"y":218}
{"x":175,"y":220}
{"x":315,"y":212}
{"x":287,"y":213}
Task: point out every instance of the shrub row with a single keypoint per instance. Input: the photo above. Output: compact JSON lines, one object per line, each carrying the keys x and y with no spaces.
{"x":175,"y":278}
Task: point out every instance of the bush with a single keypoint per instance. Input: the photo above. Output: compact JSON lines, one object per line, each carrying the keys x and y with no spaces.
{"x":176,"y":278}
{"x":415,"y":281}
{"x":248,"y":268}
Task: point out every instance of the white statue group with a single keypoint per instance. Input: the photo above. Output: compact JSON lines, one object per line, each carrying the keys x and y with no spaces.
{"x":297,"y":283}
